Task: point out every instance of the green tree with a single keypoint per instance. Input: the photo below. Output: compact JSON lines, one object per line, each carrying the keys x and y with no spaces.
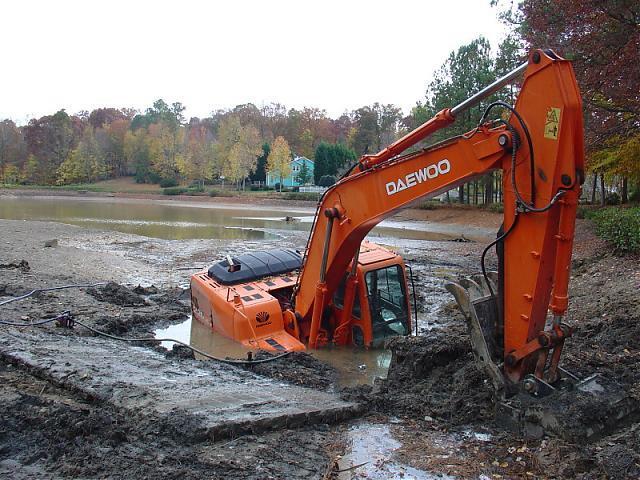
{"x":137,"y":155}
{"x":260,"y":172}
{"x":279,"y":160}
{"x":30,"y":169}
{"x":304,"y":175}
{"x":331,"y":159}
{"x":466,"y":71}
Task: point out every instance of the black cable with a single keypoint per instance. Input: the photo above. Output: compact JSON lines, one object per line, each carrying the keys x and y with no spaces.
{"x":36,"y":323}
{"x":199,"y":352}
{"x":69,"y":321}
{"x":51,"y":289}
{"x":525,"y":129}
{"x":486,"y":249}
{"x":528,"y":207}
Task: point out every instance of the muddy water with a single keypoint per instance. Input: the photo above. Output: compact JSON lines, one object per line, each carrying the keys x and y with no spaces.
{"x":355,"y":367}
{"x":175,"y":220}
{"x":370,"y":455}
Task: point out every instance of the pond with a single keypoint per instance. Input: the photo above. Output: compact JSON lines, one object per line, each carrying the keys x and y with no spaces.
{"x":179,"y":220}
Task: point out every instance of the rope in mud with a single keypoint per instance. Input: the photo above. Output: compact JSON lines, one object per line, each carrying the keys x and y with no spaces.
{"x":65,"y":319}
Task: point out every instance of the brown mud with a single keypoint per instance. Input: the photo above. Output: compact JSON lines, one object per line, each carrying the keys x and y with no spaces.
{"x":437,"y":405}
{"x":593,"y":435}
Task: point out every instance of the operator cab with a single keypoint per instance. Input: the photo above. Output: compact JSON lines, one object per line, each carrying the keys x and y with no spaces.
{"x":382,"y":289}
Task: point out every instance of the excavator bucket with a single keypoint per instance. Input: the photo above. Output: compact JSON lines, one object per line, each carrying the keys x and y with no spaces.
{"x":476,"y":298}
{"x":517,"y":408}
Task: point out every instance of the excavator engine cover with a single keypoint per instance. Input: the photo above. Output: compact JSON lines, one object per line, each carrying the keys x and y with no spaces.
{"x":255,"y":265}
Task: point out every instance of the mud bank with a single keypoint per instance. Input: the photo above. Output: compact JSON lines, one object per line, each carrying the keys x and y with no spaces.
{"x":433,"y":386}
{"x":435,"y":404}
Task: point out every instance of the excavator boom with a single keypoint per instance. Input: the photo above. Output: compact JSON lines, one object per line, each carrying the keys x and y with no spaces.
{"x":540,"y":152}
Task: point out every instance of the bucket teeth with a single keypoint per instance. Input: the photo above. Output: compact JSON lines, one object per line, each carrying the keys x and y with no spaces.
{"x":479,"y":308}
{"x":482,"y":282}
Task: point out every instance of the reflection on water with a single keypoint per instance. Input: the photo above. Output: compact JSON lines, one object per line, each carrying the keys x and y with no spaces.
{"x":147,"y":218}
{"x":355,"y":366}
{"x":159,"y":219}
{"x":370,"y":451}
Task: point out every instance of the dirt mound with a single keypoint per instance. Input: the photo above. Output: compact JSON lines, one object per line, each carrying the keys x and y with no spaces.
{"x":432,"y":376}
{"x":180,"y":351}
{"x":298,"y":368}
{"x":140,"y":290}
{"x":22,"y":265}
{"x":116,"y":294}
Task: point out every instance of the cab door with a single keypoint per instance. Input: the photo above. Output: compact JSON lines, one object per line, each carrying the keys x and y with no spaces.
{"x":388,"y":306}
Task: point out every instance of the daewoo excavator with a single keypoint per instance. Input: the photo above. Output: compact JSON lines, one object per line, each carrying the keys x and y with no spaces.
{"x":346,"y":291}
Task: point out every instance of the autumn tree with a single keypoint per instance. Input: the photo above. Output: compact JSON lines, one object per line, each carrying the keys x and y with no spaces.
{"x":165,"y":149}
{"x":12,"y":151}
{"x":237,"y":149}
{"x":106,"y":116}
{"x":198,"y":162}
{"x":602,"y":39}
{"x":374,"y":127}
{"x":279,"y":160}
{"x":85,"y":163}
{"x":50,"y":140}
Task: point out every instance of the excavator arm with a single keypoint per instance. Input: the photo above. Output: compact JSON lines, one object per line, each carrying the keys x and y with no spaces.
{"x":539,"y":149}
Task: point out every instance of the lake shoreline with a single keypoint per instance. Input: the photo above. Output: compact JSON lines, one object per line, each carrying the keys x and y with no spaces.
{"x":447,"y":214}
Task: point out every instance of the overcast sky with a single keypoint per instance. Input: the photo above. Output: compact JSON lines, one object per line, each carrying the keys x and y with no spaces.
{"x":336,"y":55}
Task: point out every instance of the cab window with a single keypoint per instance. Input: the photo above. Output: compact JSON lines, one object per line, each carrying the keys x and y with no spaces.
{"x":386,"y":290}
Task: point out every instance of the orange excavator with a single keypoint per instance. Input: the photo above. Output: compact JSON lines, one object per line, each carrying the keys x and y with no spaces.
{"x":346,"y":291}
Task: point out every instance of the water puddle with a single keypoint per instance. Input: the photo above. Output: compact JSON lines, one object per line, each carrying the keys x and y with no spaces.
{"x":370,"y":455}
{"x":354,"y":366}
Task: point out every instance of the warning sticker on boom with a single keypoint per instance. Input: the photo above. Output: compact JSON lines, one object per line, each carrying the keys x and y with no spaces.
{"x":552,"y":123}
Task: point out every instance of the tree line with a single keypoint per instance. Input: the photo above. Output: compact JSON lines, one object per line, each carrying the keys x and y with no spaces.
{"x":241,"y":144}
{"x":602,"y":38}
{"x":160,"y":145}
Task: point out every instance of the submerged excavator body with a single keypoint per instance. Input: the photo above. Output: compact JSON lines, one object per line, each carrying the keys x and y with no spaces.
{"x":247,"y":299}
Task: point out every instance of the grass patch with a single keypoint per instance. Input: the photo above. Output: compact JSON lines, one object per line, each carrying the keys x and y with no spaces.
{"x":312,"y":196}
{"x":221,"y":193}
{"x":429,"y":205}
{"x":619,"y":226}
{"x":174,"y":191}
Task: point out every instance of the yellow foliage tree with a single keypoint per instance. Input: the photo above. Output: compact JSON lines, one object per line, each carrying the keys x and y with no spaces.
{"x":85,"y":163}
{"x":238,"y":149}
{"x":279,"y":159}
{"x":164,"y":149}
{"x":11,"y":175}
